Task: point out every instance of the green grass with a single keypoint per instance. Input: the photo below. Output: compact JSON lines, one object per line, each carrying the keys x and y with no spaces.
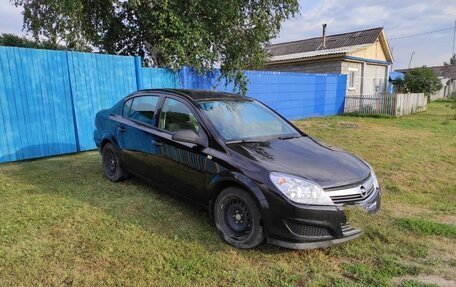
{"x":415,"y":283}
{"x":62,"y":223}
{"x":354,"y":114}
{"x":427,"y":227}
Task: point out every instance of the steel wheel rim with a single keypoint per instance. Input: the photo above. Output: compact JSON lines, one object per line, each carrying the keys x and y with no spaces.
{"x":110,"y":163}
{"x":238,"y":218}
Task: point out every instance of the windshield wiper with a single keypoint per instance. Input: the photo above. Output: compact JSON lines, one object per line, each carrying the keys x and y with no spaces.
{"x":285,"y":137}
{"x":243,"y":141}
{"x":289,"y":137}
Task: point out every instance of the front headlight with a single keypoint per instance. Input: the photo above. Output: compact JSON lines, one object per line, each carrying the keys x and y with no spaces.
{"x":373,"y":175}
{"x":300,"y":190}
{"x":374,"y":178}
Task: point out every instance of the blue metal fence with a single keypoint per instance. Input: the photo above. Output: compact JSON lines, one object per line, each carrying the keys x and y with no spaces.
{"x":294,"y":95}
{"x":48,"y":99}
{"x":159,"y":78}
{"x":97,"y":82}
{"x":36,"y":116}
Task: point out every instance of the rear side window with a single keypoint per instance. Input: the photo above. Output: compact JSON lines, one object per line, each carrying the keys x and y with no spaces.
{"x":126,"y":108}
{"x":141,"y":109}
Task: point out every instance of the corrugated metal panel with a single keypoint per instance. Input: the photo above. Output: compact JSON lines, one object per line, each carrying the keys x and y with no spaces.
{"x":297,"y":95}
{"x":294,"y":95}
{"x":332,"y":42}
{"x":335,"y":51}
{"x":48,"y":99}
{"x":35,"y":104}
{"x":98,"y":81}
{"x":159,"y":78}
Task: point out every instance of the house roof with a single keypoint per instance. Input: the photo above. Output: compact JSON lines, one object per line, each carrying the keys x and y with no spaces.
{"x":332,"y":42}
{"x":446,"y":71}
{"x":342,"y":44}
{"x":334,"y":51}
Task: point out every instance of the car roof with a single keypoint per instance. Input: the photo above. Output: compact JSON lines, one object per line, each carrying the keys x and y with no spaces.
{"x":200,"y":95}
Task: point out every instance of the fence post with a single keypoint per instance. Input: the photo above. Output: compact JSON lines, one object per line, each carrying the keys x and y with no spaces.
{"x":184,"y":75}
{"x":138,"y":70}
{"x":395,"y":105}
{"x":73,"y":103}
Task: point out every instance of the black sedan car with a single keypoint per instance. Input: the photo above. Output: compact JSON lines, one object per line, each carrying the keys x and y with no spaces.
{"x":260,"y":177}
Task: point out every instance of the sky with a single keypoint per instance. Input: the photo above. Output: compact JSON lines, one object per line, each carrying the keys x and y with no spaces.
{"x":399,"y":18}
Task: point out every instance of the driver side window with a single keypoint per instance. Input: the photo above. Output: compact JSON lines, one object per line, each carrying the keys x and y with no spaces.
{"x":177,"y":116}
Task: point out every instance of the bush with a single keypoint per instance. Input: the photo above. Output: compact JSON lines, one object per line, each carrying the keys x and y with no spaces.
{"x":422,"y":80}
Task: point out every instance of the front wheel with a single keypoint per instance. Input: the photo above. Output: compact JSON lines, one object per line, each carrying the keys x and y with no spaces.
{"x":111,"y":165}
{"x":238,"y":218}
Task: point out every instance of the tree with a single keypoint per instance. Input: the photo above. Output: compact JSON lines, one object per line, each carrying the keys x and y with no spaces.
{"x":399,"y":84}
{"x":452,"y":61}
{"x":422,"y":80}
{"x":166,"y":33}
{"x":12,"y":40}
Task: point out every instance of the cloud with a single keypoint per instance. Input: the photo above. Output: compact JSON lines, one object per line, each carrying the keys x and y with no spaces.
{"x":402,"y":18}
{"x":10,"y":18}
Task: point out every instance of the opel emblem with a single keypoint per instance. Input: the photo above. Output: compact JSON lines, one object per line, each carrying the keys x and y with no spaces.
{"x":363,"y":191}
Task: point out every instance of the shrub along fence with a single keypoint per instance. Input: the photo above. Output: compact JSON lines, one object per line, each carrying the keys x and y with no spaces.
{"x":386,"y":104}
{"x":48,"y":99}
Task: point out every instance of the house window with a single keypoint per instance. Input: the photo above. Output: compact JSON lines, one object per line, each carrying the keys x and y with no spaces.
{"x":351,"y":80}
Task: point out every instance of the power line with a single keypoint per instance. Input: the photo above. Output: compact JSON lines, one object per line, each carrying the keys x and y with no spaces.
{"x":425,"y":33}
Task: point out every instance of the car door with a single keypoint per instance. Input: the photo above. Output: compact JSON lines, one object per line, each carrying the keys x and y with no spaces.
{"x":137,"y":140}
{"x":183,"y":164}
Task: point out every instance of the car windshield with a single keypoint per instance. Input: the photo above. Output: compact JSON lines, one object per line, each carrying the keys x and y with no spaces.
{"x":245,"y":120}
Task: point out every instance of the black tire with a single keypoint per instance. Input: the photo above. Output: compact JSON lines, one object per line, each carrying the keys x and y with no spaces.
{"x":111,"y":164}
{"x":238,"y":218}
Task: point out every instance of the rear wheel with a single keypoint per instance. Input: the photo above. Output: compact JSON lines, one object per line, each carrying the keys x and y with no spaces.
{"x":111,"y":164}
{"x":238,"y":218}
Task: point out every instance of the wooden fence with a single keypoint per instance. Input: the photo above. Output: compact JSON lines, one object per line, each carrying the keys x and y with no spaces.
{"x":387,"y":104}
{"x":410,"y":103}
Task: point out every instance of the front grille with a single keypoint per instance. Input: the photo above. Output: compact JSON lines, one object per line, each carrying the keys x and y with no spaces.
{"x":307,"y":230}
{"x":353,"y":194}
{"x":351,"y":198}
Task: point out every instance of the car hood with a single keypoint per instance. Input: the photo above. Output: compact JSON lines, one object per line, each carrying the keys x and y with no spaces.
{"x":306,"y":157}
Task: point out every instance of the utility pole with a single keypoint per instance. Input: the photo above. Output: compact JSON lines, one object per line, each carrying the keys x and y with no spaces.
{"x":454,"y":36}
{"x":411,"y":57}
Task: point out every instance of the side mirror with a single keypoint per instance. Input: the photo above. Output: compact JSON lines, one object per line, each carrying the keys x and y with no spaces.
{"x":188,"y":136}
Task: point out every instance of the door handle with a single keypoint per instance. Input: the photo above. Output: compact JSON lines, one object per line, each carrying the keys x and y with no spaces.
{"x":157,"y":143}
{"x":122,"y":129}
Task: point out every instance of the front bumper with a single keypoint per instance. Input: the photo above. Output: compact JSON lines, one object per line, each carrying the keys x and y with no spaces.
{"x":298,"y":226}
{"x":313,"y":245}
